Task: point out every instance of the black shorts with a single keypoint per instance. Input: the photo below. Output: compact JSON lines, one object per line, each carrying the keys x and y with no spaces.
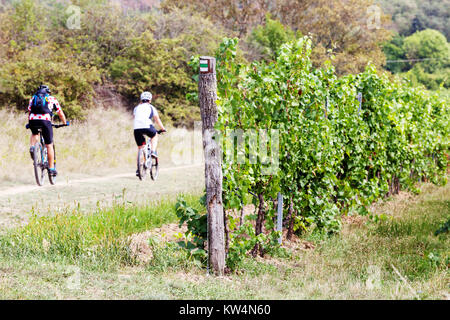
{"x":139,"y":135}
{"x":47,"y":129}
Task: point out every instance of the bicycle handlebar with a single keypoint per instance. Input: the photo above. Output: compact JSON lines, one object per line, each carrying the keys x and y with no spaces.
{"x":59,"y":125}
{"x":27,"y":126}
{"x":161,"y":131}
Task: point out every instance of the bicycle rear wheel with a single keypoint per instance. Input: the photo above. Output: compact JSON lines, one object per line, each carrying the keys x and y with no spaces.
{"x":141,"y":167}
{"x":38,"y":163}
{"x":154,"y":169}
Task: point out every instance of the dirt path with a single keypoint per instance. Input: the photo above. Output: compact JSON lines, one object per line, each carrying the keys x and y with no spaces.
{"x":19,"y":202}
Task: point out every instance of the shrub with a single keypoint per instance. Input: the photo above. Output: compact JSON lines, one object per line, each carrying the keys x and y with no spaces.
{"x":158,"y":66}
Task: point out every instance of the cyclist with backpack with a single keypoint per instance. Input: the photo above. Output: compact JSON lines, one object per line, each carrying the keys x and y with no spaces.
{"x":144,"y":114}
{"x":40,"y":109}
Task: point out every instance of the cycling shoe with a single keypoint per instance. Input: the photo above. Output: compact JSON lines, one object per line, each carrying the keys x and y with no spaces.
{"x":53,"y":172}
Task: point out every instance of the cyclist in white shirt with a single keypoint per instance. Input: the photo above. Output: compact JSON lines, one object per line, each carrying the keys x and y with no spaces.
{"x":144,"y":115}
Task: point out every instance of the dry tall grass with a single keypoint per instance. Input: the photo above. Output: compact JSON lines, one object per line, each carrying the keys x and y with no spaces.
{"x":102,"y":143}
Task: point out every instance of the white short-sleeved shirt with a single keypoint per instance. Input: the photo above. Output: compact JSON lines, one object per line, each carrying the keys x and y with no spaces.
{"x":142,"y":115}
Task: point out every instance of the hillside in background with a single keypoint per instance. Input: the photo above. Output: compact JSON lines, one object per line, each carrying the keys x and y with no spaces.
{"x":123,"y":47}
{"x":410,"y":16}
{"x":419,"y":49}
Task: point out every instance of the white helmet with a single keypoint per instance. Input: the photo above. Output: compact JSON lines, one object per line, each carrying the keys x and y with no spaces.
{"x":146,"y":96}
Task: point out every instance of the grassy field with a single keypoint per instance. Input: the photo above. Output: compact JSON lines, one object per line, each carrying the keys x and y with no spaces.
{"x":393,"y":256}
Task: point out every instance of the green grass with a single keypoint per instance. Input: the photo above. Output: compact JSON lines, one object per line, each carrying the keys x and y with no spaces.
{"x":98,"y":239}
{"x":397,"y":256}
{"x":414,"y":247}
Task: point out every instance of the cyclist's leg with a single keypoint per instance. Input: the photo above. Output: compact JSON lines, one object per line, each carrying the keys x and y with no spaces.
{"x":50,"y":155}
{"x":152,"y":133}
{"x":34,"y":126}
{"x":140,"y":142}
{"x":34,"y":138}
{"x":139,"y":138}
{"x":154,"y":143}
{"x":47,"y":134}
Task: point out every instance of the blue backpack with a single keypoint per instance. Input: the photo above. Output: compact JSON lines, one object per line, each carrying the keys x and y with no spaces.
{"x":39,"y":105}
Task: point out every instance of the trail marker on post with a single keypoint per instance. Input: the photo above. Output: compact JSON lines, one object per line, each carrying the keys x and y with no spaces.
{"x":207,"y":88}
{"x":207,"y":65}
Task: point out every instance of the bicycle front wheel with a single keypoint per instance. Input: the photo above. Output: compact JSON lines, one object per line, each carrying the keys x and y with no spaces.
{"x":39,"y":164}
{"x":51,"y":178}
{"x":154,"y":169}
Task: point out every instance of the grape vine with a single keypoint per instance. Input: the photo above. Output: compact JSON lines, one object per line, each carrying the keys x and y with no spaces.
{"x":336,"y":156}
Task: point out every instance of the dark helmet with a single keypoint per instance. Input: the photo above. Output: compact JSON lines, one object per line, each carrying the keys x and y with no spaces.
{"x":44,"y":89}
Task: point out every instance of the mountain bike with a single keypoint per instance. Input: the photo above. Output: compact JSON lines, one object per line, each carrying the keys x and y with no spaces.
{"x":40,"y":159}
{"x":147,"y":164}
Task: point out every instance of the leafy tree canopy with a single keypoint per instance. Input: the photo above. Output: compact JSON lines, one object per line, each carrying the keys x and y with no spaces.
{"x":410,"y":16}
{"x":422,"y":57}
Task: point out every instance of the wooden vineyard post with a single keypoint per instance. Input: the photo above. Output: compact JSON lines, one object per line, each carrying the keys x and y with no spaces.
{"x":207,"y":88}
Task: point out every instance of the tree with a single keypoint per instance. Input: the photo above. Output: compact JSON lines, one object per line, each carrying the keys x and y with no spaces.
{"x":30,"y":57}
{"x":428,"y":44}
{"x":189,"y":27}
{"x":341,"y":26}
{"x":395,"y":53}
{"x":106,"y":32}
{"x":347,"y":28}
{"x":432,"y":51}
{"x":238,"y":16}
{"x":161,"y":67}
{"x":410,"y":16}
{"x":267,"y":39}
{"x":27,"y":28}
